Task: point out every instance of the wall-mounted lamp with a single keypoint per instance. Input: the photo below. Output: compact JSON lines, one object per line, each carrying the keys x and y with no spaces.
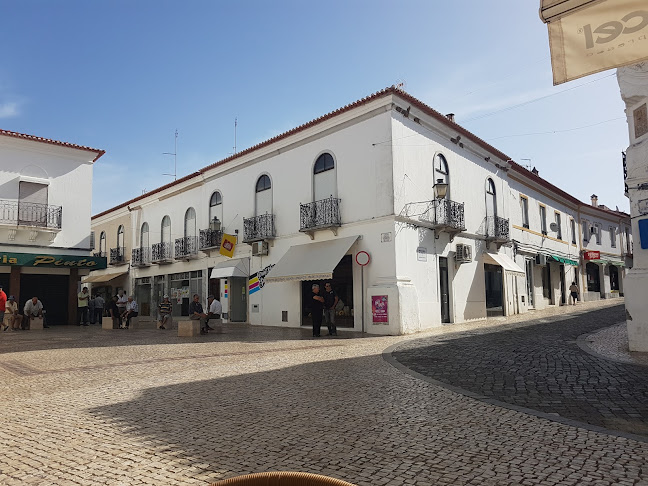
{"x":440,"y":189}
{"x":215,"y":225}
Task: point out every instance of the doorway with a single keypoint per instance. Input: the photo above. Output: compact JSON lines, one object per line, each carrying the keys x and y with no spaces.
{"x":493,"y":280}
{"x":614,"y":278}
{"x":562,"y":285}
{"x":528,"y":267}
{"x":52,"y":291}
{"x":237,"y":296}
{"x":444,"y":290}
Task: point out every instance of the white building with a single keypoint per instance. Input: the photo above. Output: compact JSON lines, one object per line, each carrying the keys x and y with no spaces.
{"x":45,"y":194}
{"x":437,"y":209}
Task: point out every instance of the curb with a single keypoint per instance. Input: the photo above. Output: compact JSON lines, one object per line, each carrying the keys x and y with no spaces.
{"x":583,"y":343}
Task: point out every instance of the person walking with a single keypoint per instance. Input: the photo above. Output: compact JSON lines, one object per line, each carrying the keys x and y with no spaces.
{"x":132,"y":310}
{"x":165,"y":308}
{"x":330,"y":302}
{"x":82,"y":307}
{"x":215,"y":310}
{"x":317,"y":306}
{"x":573,"y":293}
{"x":3,"y":306}
{"x":99,"y":304}
{"x":11,"y":316}
{"x":196,"y":313}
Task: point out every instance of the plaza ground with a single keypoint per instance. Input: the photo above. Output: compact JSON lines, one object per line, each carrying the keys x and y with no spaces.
{"x":87,"y":406}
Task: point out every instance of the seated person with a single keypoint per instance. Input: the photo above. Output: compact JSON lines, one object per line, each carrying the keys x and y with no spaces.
{"x":165,"y":308}
{"x":215,"y":310}
{"x":131,"y":311}
{"x":11,"y":317}
{"x":196,"y":313}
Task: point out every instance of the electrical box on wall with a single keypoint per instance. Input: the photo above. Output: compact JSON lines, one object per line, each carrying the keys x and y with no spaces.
{"x":463,"y":253}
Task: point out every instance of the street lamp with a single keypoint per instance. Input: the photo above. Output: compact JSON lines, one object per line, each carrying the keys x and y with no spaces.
{"x":440,"y":189}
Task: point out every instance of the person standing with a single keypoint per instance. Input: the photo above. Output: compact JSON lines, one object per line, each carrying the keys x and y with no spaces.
{"x":317,"y":306}
{"x":573,"y":293}
{"x":82,"y":306}
{"x":132,"y":310}
{"x":215,"y":310}
{"x":11,"y":315}
{"x":165,"y":308}
{"x":113,"y":312}
{"x":330,"y":302}
{"x":91,"y":308}
{"x":196,"y":313}
{"x":3,"y":306}
{"x":99,"y":304}
{"x":122,"y":300}
{"x":33,"y":308}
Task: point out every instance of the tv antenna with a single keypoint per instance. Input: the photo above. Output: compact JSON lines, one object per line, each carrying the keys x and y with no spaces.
{"x":175,"y":158}
{"x":235,"y":125}
{"x":527,"y":166}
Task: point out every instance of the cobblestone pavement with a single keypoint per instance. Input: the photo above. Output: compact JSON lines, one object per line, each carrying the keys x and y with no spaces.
{"x":87,"y":407}
{"x":538,"y":365}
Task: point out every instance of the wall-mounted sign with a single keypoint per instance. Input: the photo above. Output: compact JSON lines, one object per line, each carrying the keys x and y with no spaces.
{"x":421,"y":254}
{"x":379,"y":309}
{"x":385,"y":237}
{"x":592,"y":255}
{"x":362,"y":258}
{"x":257,"y":280}
{"x":625,"y":174}
{"x":52,"y":261}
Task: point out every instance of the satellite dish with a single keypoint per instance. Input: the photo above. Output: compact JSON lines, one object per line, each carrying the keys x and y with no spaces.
{"x":553,"y":227}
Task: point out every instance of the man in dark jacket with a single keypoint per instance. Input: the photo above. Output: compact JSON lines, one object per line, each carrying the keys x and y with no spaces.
{"x":196,"y":313}
{"x":330,"y":302}
{"x":317,"y":305}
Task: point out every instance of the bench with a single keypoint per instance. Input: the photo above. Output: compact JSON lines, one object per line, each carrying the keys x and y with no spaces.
{"x":35,"y":323}
{"x":138,"y":323}
{"x":109,"y":323}
{"x":170,"y":323}
{"x":188,"y":328}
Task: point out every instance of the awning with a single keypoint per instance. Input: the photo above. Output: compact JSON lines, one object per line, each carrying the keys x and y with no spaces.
{"x":232,"y":268}
{"x":313,"y":261}
{"x":616,"y":263}
{"x":566,"y":261}
{"x":590,"y":36}
{"x":102,"y":278}
{"x":503,"y":261}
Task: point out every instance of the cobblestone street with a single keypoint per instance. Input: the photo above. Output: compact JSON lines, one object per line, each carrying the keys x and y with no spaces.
{"x":86,"y":407}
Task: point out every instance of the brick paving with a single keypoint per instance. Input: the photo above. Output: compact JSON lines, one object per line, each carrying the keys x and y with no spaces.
{"x":538,"y":365}
{"x":87,"y":407}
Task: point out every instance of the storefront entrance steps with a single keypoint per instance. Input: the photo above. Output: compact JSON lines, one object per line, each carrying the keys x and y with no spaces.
{"x":188,"y":328}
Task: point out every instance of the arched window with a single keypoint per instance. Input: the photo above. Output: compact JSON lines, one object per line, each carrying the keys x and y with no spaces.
{"x":216,"y":207}
{"x":324,"y":177}
{"x":190,"y":223}
{"x":165,"y":233}
{"x":144,"y":236}
{"x":491,"y":199}
{"x":120,"y":237}
{"x":102,"y":243}
{"x":263,"y":196}
{"x":441,"y":174}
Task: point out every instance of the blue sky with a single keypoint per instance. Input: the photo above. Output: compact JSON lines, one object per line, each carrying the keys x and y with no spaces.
{"x":124,"y":75}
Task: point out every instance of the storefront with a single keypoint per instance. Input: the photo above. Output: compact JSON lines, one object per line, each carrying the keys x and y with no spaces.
{"x":229,"y":280}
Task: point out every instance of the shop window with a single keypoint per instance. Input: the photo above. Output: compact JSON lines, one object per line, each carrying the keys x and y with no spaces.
{"x":524,"y":202}
{"x":593,"y":277}
{"x":324,"y":177}
{"x":216,"y":207}
{"x":543,"y":220}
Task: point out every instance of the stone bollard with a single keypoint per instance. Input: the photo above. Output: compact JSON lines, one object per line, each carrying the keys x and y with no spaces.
{"x":170,"y":323}
{"x":35,"y":323}
{"x":109,"y":323}
{"x":189,"y":328}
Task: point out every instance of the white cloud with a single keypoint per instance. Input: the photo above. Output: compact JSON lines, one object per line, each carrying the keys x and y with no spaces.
{"x":9,"y":109}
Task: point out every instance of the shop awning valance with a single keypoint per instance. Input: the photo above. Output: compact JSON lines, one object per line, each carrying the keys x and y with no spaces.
{"x":602,"y":261}
{"x":232,"y":268}
{"x":564,"y":260}
{"x":503,"y":261}
{"x":313,"y":261}
{"x":106,"y":277}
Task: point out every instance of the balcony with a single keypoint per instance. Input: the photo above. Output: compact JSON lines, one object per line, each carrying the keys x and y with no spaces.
{"x":36,"y":215}
{"x":497,"y":230}
{"x":101,"y":254}
{"x":317,"y":215}
{"x":186,"y":248}
{"x":210,"y":239}
{"x":445,"y":215}
{"x":141,"y":257}
{"x":162,"y":253}
{"x":258,"y":228}
{"x":117,"y":256}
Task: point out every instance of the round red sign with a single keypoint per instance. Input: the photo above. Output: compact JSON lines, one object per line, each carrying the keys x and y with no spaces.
{"x":362,"y":258}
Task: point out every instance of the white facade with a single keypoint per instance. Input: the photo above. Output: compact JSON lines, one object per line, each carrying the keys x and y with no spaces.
{"x":387,"y":158}
{"x":45,"y":210}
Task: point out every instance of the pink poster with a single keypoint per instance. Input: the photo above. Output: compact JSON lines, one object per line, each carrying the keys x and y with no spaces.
{"x":379,"y":309}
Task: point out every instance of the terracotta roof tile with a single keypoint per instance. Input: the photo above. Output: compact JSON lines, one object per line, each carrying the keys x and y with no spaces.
{"x":34,"y":138}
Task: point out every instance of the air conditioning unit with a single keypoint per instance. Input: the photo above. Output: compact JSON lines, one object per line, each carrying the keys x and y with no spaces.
{"x":260,"y":248}
{"x":541,"y":259}
{"x":463,"y":253}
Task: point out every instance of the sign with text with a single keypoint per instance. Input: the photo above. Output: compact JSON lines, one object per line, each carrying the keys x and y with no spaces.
{"x":596,"y":37}
{"x":379,"y":309}
{"x":53,"y":261}
{"x":592,"y":255}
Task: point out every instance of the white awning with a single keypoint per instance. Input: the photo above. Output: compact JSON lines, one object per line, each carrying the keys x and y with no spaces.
{"x":105,"y":277}
{"x":503,"y":261}
{"x":313,"y":261}
{"x":554,"y":9}
{"x":232,"y":268}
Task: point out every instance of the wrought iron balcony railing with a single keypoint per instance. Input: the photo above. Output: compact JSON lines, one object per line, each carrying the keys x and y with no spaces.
{"x":186,"y":247}
{"x":141,"y":257}
{"x":497,"y":229}
{"x":258,"y":228}
{"x":162,"y":252}
{"x":99,"y":254}
{"x":320,"y":214}
{"x":30,"y":214}
{"x":445,"y":215}
{"x":117,"y":256}
{"x":210,"y":238}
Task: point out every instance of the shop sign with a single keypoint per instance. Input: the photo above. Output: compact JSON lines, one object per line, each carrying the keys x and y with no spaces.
{"x":379,"y":309}
{"x":592,"y":255}
{"x":52,"y":261}
{"x":421,"y":254}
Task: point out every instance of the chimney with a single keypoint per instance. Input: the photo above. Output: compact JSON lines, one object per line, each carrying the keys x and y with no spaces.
{"x":535,"y":171}
{"x":450,"y":116}
{"x":594,"y":200}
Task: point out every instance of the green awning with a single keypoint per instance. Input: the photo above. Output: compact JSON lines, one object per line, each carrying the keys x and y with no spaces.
{"x":567,"y":261}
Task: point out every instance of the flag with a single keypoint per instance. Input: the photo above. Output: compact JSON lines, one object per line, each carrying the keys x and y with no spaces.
{"x":228,"y":244}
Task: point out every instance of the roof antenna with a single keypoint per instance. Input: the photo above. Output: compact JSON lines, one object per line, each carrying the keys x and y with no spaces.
{"x":175,"y":159}
{"x":235,"y":124}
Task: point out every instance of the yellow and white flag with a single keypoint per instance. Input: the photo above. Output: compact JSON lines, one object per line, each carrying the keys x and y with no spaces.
{"x":228,"y":244}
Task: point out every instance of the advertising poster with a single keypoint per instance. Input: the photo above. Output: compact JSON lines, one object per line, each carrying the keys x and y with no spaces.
{"x":379,"y":309}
